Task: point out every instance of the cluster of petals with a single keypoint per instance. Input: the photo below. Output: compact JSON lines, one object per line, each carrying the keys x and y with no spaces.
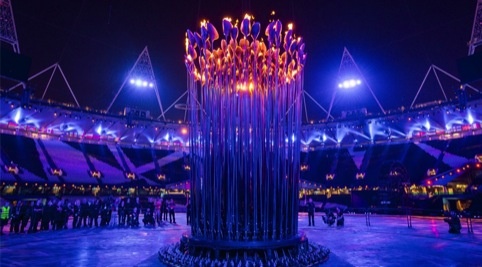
{"x":243,"y":58}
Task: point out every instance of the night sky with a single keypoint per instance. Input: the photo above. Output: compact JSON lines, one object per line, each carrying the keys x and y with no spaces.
{"x":96,"y":42}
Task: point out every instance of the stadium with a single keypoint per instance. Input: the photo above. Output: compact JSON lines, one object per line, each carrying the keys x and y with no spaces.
{"x":351,"y":148}
{"x":423,"y":159}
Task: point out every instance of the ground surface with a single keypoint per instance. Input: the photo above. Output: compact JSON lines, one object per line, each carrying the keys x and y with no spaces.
{"x":387,"y":242}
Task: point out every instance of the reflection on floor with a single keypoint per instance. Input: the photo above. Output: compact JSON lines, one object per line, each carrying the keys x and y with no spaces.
{"x":387,"y":242}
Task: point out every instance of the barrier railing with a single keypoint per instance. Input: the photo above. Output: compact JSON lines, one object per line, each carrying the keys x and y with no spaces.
{"x":409,"y":213}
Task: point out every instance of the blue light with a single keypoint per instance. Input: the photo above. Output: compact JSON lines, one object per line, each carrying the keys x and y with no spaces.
{"x":18,"y":115}
{"x":99,"y":130}
{"x":470,"y":118}
{"x":427,"y":125}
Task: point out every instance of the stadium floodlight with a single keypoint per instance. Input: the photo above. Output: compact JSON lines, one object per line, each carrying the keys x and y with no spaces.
{"x":346,"y":84}
{"x":141,"y":83}
{"x":470,"y":118}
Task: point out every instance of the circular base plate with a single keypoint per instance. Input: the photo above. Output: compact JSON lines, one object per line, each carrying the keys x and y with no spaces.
{"x":302,"y":253}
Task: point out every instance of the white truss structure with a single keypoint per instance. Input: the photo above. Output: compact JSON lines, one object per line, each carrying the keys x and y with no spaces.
{"x":348,"y":63}
{"x":435,"y":70}
{"x":141,"y":68}
{"x":54,"y":68}
{"x":476,"y":37}
{"x":8,"y":32}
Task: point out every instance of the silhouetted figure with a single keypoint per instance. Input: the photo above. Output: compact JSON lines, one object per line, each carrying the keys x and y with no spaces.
{"x":157,"y":211}
{"x":105,"y":213}
{"x":164,"y":208}
{"x":340,"y":219}
{"x":329,"y":218}
{"x":26,"y":212}
{"x":149,"y":217}
{"x":138,"y":206}
{"x":37,"y":209}
{"x":188,"y":212}
{"x":454,"y":223}
{"x":76,"y":214}
{"x":172,"y":213}
{"x":84,"y":213}
{"x":311,"y":212}
{"x":16,"y":217}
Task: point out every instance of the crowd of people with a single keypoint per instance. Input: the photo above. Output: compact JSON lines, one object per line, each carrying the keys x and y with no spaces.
{"x":55,"y":214}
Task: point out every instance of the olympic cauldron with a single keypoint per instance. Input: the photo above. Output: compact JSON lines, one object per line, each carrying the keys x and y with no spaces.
{"x":245,"y":104}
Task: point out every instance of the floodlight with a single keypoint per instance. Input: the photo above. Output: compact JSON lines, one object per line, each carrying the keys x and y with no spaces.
{"x":18,"y":115}
{"x":349,"y":83}
{"x":470,"y":118}
{"x":427,"y":125}
{"x":139,"y":82}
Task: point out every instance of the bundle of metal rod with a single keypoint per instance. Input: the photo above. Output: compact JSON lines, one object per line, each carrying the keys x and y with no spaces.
{"x":245,"y":120}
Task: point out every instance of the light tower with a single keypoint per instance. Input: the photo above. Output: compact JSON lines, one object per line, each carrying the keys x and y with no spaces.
{"x":245,"y":102}
{"x":141,"y":75}
{"x":8,"y":32}
{"x":476,"y":37}
{"x":474,"y":43}
{"x":350,"y":76}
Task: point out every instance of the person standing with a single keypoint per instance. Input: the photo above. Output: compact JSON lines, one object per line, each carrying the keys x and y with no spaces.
{"x":46,"y":216}
{"x":26,"y":212}
{"x":95,"y":212}
{"x":58,"y":216}
{"x":5,"y":216}
{"x":129,"y":208}
{"x":165,"y":208}
{"x":138,"y":209}
{"x":84,"y":213}
{"x":157,"y":211}
{"x":36,"y":216}
{"x":16,"y":217}
{"x":188,"y":212}
{"x":105,"y":209}
{"x":340,"y":219}
{"x":90,"y":213}
{"x":76,"y":214}
{"x":311,"y":212}
{"x":172,"y":213}
{"x":121,"y":210}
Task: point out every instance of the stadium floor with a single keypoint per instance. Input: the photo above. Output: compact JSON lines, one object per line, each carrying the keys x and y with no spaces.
{"x":387,"y":242}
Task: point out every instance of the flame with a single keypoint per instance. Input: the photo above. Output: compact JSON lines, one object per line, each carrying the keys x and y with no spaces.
{"x":239,"y":63}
